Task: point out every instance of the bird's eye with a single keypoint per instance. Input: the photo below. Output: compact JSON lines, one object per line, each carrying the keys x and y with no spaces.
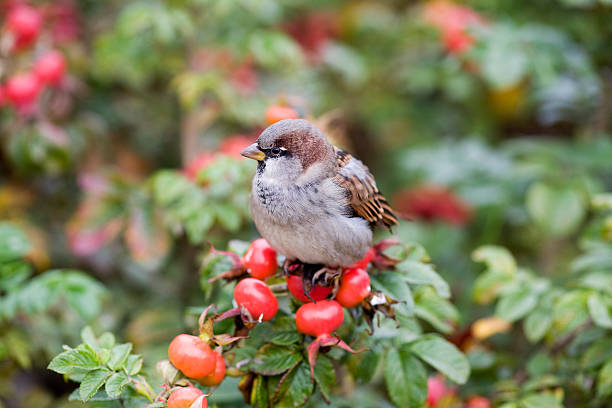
{"x":276,"y":151}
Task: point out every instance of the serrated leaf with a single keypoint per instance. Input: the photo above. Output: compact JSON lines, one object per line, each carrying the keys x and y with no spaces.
{"x":405,"y":378}
{"x":100,"y":396}
{"x":300,"y":387}
{"x":325,"y":376}
{"x":284,"y":332}
{"x":285,"y":338}
{"x":88,"y":337}
{"x":419,"y":273}
{"x":82,"y":358}
{"x":133,"y":364}
{"x":273,"y":360}
{"x":443,"y":356}
{"x":119,"y":355}
{"x":115,"y":383}
{"x":92,"y":382}
{"x":107,"y":340}
{"x":517,"y":304}
{"x":599,"y":311}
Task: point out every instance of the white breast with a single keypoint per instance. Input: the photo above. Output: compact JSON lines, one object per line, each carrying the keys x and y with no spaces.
{"x":309,"y":222}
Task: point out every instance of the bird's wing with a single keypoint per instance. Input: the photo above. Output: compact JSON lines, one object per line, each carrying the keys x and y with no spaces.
{"x":365,"y":199}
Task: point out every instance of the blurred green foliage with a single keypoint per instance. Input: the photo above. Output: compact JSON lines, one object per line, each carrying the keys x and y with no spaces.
{"x":493,"y":134}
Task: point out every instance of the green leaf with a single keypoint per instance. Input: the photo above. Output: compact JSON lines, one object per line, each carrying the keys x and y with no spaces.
{"x":83,"y":357}
{"x":285,"y":338}
{"x":300,"y":387}
{"x":393,"y":285}
{"x":597,"y":353}
{"x":599,"y":311}
{"x":419,"y":273}
{"x":259,"y":393}
{"x":537,"y":324}
{"x":133,"y":364}
{"x":13,"y":275}
{"x":558,"y":210}
{"x":540,"y":364}
{"x":273,"y":360}
{"x":438,"y":312}
{"x":119,"y":355}
{"x":116,"y":382}
{"x":516,"y":304}
{"x":443,"y":356}
{"x":569,"y":312}
{"x":92,"y":382}
{"x":496,"y":258}
{"x":107,"y":340}
{"x":604,"y":380}
{"x":364,"y":365}
{"x":602,"y":201}
{"x":89,"y":338}
{"x":13,"y":242}
{"x":488,"y":285}
{"x":405,"y":378}
{"x":325,"y":376}
{"x":18,"y":347}
{"x":540,"y":400}
{"x":228,"y":216}
{"x":284,"y":332}
{"x":274,"y":49}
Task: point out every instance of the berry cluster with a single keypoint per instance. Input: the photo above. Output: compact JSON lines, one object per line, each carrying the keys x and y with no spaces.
{"x":320,"y":314}
{"x":27,"y":77}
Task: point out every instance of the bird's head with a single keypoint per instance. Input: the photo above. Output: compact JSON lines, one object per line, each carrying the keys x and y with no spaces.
{"x":292,"y":150}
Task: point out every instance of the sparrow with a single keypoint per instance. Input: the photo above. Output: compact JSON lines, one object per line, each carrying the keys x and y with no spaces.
{"x":312,"y":201}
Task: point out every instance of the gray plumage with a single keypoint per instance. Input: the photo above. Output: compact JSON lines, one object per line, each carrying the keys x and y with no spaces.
{"x":310,"y":200}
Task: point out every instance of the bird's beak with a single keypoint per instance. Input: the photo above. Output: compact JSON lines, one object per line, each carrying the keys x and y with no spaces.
{"x":253,"y":152}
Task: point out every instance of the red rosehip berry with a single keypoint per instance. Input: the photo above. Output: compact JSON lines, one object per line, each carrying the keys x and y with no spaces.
{"x":257,"y":298}
{"x":294,"y":284}
{"x":50,"y":68}
{"x":277,"y":113}
{"x":192,"y":356}
{"x":24,"y":22}
{"x":198,"y":164}
{"x":365,"y":261}
{"x":436,"y":389}
{"x":319,"y":319}
{"x":22,"y":89}
{"x":2,"y":96}
{"x":354,"y":287}
{"x":184,"y":397}
{"x":216,"y":376}
{"x":477,"y":401}
{"x":260,"y":259}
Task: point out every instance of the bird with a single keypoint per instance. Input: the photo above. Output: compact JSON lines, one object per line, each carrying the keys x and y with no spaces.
{"x":312,"y":201}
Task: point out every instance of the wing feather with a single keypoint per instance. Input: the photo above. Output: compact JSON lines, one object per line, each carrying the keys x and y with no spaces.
{"x":365,"y":199}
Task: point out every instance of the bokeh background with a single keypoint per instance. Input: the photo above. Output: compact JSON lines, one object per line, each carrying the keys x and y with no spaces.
{"x":487,"y":121}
